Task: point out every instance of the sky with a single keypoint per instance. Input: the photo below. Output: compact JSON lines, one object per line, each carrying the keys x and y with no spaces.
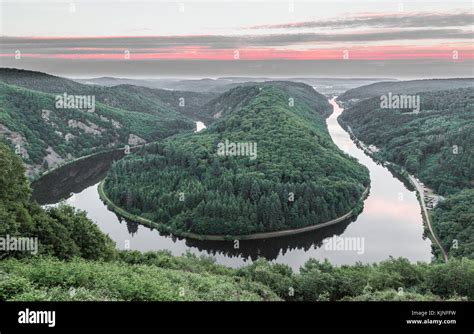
{"x":379,"y":38}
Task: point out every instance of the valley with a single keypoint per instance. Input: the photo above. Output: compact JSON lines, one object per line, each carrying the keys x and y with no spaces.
{"x":205,"y":163}
{"x":434,"y":145}
{"x":309,"y":185}
{"x":387,"y":193}
{"x":48,"y":134}
{"x":196,"y":190}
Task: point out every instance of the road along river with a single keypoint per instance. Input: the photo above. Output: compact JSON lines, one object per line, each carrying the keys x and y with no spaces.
{"x":389,"y":225}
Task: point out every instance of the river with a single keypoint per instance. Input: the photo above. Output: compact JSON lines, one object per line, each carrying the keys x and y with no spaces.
{"x":389,"y":225}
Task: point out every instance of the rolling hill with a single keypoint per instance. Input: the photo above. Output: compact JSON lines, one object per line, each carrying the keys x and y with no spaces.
{"x":436,"y":145}
{"x":46,"y":136}
{"x":77,"y":262}
{"x":230,"y":194}
{"x":160,"y":102}
{"x":404,"y":87}
{"x":423,"y":143}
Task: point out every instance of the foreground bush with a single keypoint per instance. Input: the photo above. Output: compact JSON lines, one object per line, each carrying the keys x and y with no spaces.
{"x":78,"y":279}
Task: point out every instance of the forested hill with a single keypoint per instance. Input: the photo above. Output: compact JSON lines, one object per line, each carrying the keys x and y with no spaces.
{"x":74,"y":255}
{"x":297,"y":177}
{"x":453,"y":220}
{"x":160,"y":102}
{"x":436,"y":145}
{"x":405,"y":87}
{"x":45,"y":135}
{"x":234,"y":99}
{"x":423,"y":143}
{"x":71,"y":247}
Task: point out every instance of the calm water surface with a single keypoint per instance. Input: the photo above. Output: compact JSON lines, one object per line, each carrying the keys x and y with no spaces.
{"x":390,"y":224}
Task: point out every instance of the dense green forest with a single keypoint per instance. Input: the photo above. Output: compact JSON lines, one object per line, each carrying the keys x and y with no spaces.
{"x":404,"y":87}
{"x":22,"y":111}
{"x":298,"y":178}
{"x":61,"y":231}
{"x":436,"y":145}
{"x":76,"y":261}
{"x":232,"y":99}
{"x":29,"y":117}
{"x":453,"y":220}
{"x":167,"y":104}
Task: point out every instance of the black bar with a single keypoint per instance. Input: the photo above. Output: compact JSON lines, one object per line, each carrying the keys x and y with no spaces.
{"x":370,"y":315}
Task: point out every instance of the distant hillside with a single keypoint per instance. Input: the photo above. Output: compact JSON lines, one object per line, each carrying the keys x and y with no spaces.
{"x":39,"y":81}
{"x":189,"y":104}
{"x":176,"y":104}
{"x":78,"y":262}
{"x":437,"y":146}
{"x":220,"y":85}
{"x":195,"y":85}
{"x":230,"y":194}
{"x":423,"y":143}
{"x":407,"y":87}
{"x":46,"y":136}
{"x":234,"y":99}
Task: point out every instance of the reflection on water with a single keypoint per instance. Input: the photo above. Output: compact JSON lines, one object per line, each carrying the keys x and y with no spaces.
{"x":61,"y":183}
{"x":390,"y":223}
{"x":270,"y":248}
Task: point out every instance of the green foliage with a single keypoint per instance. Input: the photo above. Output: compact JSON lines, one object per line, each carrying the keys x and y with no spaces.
{"x":453,"y":221}
{"x":14,"y":193}
{"x":160,"y":276}
{"x":231,"y":195}
{"x":188,"y":262}
{"x":158,"y":102}
{"x":405,"y":87}
{"x":62,"y":231}
{"x":393,"y":279}
{"x":21,"y":112}
{"x":91,"y":242}
{"x":278,"y":277}
{"x":435,"y":144}
{"x":394,"y":295}
{"x":12,"y":285}
{"x":454,"y":277}
{"x":52,"y":279}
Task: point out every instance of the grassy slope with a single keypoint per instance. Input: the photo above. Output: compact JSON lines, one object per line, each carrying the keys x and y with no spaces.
{"x":162,"y":277}
{"x":52,"y":279}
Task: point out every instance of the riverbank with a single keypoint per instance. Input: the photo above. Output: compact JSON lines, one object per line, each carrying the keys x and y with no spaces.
{"x":69,"y":162}
{"x":209,"y":237}
{"x":404,"y":240}
{"x":95,"y":154}
{"x":411,"y":179}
